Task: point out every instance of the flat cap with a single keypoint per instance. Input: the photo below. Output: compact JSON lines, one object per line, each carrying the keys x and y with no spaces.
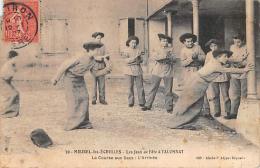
{"x":216,"y":53}
{"x":94,"y":35}
{"x":187,"y":36}
{"x":92,"y":45}
{"x":132,"y":38}
{"x":163,"y":36}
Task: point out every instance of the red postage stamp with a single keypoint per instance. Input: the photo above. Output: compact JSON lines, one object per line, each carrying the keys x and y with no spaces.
{"x":20,"y":22}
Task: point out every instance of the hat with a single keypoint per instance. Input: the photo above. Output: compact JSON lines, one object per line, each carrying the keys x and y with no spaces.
{"x":239,"y":36}
{"x":92,"y":45}
{"x":163,"y":36}
{"x":40,"y":138}
{"x":132,"y":38}
{"x":216,"y":53}
{"x":94,"y":35}
{"x":187,"y":36}
{"x":214,"y":41}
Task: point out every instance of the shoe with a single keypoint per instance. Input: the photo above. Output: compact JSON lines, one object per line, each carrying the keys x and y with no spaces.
{"x":170,"y":111}
{"x":103,"y":102}
{"x":86,"y":126}
{"x":233,"y":116}
{"x":208,"y":116}
{"x":94,"y":102}
{"x":130,"y":105}
{"x":228,"y":117}
{"x":141,"y":105}
{"x":217,"y":115}
{"x":146,"y":108}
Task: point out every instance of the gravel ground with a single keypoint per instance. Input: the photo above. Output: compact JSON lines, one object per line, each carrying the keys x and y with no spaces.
{"x":116,"y":127}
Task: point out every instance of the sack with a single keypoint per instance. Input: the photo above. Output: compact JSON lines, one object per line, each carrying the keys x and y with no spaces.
{"x":40,"y":138}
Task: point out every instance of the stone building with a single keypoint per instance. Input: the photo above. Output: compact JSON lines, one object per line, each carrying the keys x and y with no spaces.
{"x":216,"y":19}
{"x":65,"y":25}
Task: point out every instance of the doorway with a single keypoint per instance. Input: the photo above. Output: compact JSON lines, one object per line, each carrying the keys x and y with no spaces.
{"x":211,"y":27}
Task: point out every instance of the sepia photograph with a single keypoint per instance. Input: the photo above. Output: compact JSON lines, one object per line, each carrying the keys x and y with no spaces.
{"x":130,"y":84}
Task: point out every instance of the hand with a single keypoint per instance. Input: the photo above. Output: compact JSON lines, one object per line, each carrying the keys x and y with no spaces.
{"x":169,"y":54}
{"x":189,"y":59}
{"x":54,"y":81}
{"x":99,"y":58}
{"x":249,"y":67}
{"x":107,"y":55}
{"x":227,"y":65}
{"x":194,"y":56}
{"x":109,"y":68}
{"x":108,"y":64}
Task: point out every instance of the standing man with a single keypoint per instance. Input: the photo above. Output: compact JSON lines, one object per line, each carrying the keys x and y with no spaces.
{"x":192,"y":59}
{"x":220,"y":83}
{"x":238,"y":82}
{"x":99,"y":81}
{"x":162,"y":69}
{"x":133,"y":71}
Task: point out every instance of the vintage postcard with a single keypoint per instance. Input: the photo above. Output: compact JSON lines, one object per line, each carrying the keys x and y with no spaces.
{"x":129,"y":83}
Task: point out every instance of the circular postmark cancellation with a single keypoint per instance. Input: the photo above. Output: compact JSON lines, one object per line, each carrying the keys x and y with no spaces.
{"x":20,"y":24}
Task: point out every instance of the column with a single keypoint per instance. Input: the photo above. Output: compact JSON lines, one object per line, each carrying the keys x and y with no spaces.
{"x":250,"y":40}
{"x":169,"y":23}
{"x":195,"y":10}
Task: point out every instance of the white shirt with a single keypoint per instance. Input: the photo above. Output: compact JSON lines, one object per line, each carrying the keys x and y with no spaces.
{"x":240,"y":57}
{"x":221,"y":78}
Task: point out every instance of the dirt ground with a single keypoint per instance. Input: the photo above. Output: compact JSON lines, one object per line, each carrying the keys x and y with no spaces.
{"x":116,"y":127}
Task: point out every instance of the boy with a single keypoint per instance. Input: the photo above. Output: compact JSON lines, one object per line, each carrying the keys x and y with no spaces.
{"x":220,"y":83}
{"x":73,"y":71}
{"x":238,"y":82}
{"x":99,"y":81}
{"x":11,"y":104}
{"x":192,"y":59}
{"x":133,"y":71}
{"x":190,"y":103}
{"x":162,"y":69}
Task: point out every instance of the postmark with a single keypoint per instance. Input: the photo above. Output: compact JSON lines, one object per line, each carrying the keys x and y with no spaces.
{"x":20,"y":24}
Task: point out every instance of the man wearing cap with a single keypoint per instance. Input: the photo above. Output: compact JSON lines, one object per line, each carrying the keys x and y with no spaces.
{"x":192,"y":59}
{"x":73,"y":71}
{"x":133,"y":71}
{"x":163,"y":60}
{"x":238,"y":82}
{"x":220,"y":83}
{"x":99,"y":81}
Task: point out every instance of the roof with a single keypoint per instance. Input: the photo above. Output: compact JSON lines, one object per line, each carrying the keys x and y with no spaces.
{"x":207,"y":7}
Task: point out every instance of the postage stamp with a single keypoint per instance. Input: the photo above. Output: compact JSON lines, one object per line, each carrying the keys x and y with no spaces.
{"x":20,"y":23}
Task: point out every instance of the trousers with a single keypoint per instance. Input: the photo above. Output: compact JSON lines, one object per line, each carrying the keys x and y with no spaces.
{"x":215,"y":89}
{"x":99,"y":84}
{"x":238,"y":90}
{"x":138,"y":80}
{"x":168,"y":82}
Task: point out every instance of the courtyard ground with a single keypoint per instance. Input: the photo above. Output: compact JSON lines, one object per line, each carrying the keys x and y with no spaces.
{"x":116,"y":128}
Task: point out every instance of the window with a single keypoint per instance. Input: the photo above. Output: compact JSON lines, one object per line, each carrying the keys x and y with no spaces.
{"x":54,"y":36}
{"x":131,"y":27}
